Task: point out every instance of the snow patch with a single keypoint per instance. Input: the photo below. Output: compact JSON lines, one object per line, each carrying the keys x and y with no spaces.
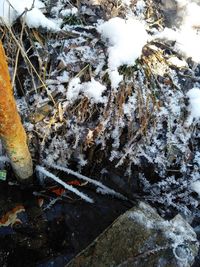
{"x":64,"y":78}
{"x":125,"y":39}
{"x":190,"y":16}
{"x":194,"y":107}
{"x":126,"y":2}
{"x":10,"y":10}
{"x":69,"y":11}
{"x":187,"y":36}
{"x":35,"y":19}
{"x":93,"y":90}
{"x":140,"y":6}
{"x":177,"y":62}
{"x":187,"y":41}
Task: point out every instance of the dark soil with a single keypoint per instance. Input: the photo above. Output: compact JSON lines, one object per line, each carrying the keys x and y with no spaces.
{"x":50,"y":237}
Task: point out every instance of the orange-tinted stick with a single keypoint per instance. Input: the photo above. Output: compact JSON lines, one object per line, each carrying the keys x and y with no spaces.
{"x":12,"y":133}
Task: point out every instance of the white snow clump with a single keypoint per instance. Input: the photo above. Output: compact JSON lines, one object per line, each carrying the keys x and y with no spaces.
{"x":190,"y":15}
{"x":126,"y":2}
{"x":194,"y":107}
{"x":126,"y":39}
{"x":93,"y":90}
{"x":10,"y":10}
{"x":187,"y":36}
{"x":173,"y":60}
{"x":140,"y":5}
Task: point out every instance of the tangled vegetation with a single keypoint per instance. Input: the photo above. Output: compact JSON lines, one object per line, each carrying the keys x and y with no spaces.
{"x":137,"y":137}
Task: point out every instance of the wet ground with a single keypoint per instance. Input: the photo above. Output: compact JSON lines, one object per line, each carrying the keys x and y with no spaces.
{"x":35,"y":231}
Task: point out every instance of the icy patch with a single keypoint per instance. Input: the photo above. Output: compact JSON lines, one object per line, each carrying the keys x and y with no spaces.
{"x":197,"y":158}
{"x":126,"y":39}
{"x":93,"y":90}
{"x":130,"y":107}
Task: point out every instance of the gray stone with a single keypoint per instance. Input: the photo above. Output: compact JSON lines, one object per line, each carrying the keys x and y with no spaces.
{"x":140,"y":237}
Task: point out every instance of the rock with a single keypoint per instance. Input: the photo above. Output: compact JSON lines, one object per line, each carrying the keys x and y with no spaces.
{"x":140,"y":237}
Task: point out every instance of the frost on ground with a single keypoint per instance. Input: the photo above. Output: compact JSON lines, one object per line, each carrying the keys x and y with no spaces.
{"x":113,"y":107}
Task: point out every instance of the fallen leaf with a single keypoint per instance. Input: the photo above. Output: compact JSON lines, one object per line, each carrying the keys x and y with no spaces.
{"x":58,"y":191}
{"x":74,"y":182}
{"x":10,"y":218}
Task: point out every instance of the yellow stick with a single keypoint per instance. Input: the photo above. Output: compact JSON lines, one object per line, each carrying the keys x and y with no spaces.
{"x":12,"y":132}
